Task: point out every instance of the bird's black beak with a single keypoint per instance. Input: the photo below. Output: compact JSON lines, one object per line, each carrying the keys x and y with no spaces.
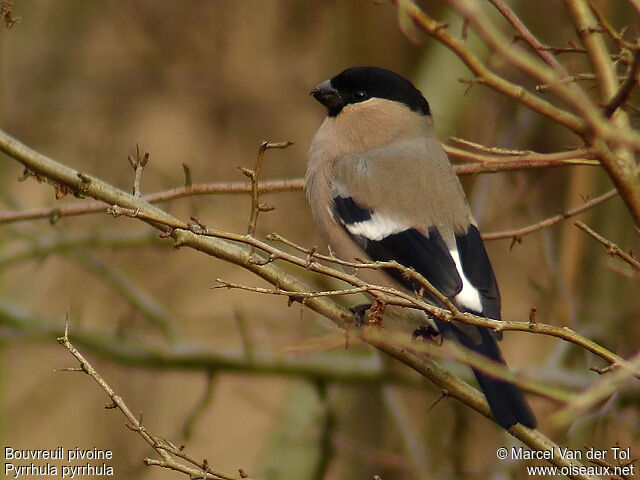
{"x":327,"y":95}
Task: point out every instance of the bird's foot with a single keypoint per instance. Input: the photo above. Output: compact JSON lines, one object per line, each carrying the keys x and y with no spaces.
{"x":359,"y":311}
{"x":427,"y":333}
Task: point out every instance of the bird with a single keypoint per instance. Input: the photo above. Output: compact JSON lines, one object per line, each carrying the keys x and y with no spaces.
{"x":382,"y":188}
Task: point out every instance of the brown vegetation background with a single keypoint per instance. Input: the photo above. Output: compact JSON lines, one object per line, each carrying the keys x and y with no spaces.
{"x":203,"y":83}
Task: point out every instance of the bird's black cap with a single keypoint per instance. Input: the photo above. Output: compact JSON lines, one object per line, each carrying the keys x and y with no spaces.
{"x":357,"y":84}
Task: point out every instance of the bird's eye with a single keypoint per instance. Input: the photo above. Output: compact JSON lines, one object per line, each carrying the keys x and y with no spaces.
{"x":360,"y":95}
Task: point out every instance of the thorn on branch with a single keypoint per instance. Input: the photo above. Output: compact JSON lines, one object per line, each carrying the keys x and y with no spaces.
{"x":532,"y":318}
{"x":263,"y":207}
{"x":440,"y":26}
{"x":138,"y":165}
{"x":471,"y":82}
{"x":310,"y":260}
{"x":83,"y":177}
{"x":199,"y":227}
{"x":603,"y":370}
{"x":245,"y":171}
{"x":443,"y":394}
{"x":260,"y":262}
{"x":187,"y":175}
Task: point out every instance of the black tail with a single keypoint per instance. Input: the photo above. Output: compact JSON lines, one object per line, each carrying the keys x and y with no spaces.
{"x":506,"y":401}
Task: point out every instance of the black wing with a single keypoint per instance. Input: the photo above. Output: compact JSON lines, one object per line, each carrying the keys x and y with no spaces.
{"x":383,"y":240}
{"x":477,"y":269}
{"x":426,"y":254}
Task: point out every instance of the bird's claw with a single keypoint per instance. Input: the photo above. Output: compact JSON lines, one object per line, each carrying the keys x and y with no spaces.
{"x":427,"y":333}
{"x":359,"y":311}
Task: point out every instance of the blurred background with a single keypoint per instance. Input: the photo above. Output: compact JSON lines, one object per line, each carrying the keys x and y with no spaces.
{"x":203,"y":83}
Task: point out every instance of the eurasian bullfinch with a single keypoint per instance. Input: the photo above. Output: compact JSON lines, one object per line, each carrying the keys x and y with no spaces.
{"x":381,"y":187}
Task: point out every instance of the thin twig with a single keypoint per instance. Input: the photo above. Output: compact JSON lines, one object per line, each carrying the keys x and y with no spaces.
{"x":578,"y":156}
{"x":188,"y":182}
{"x":559,"y":50}
{"x":390,"y":296}
{"x":434,"y":372}
{"x":486,"y":76}
{"x":492,"y":150}
{"x":409,"y":432}
{"x":617,"y":37}
{"x":612,"y":249}
{"x":41,"y":247}
{"x":595,"y":129}
{"x":55,"y":213}
{"x":574,"y":78}
{"x":297,"y":296}
{"x":595,"y":394}
{"x":253,"y":175}
{"x":517,"y":234}
{"x":336,"y":367}
{"x":453,"y":351}
{"x":149,"y":307}
{"x":201,"y":406}
{"x":161,"y":446}
{"x":245,"y":336}
{"x":526,"y":35}
{"x":624,"y":92}
{"x":486,"y":164}
{"x":517,"y":164}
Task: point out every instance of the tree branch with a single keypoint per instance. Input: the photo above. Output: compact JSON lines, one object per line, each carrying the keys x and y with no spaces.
{"x":595,"y":394}
{"x":484,"y":75}
{"x":485,"y":164}
{"x":587,"y":121}
{"x":526,"y":35}
{"x":166,"y":450}
{"x":55,"y":213}
{"x":517,"y":234}
{"x":612,"y":248}
{"x":184,"y":235}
